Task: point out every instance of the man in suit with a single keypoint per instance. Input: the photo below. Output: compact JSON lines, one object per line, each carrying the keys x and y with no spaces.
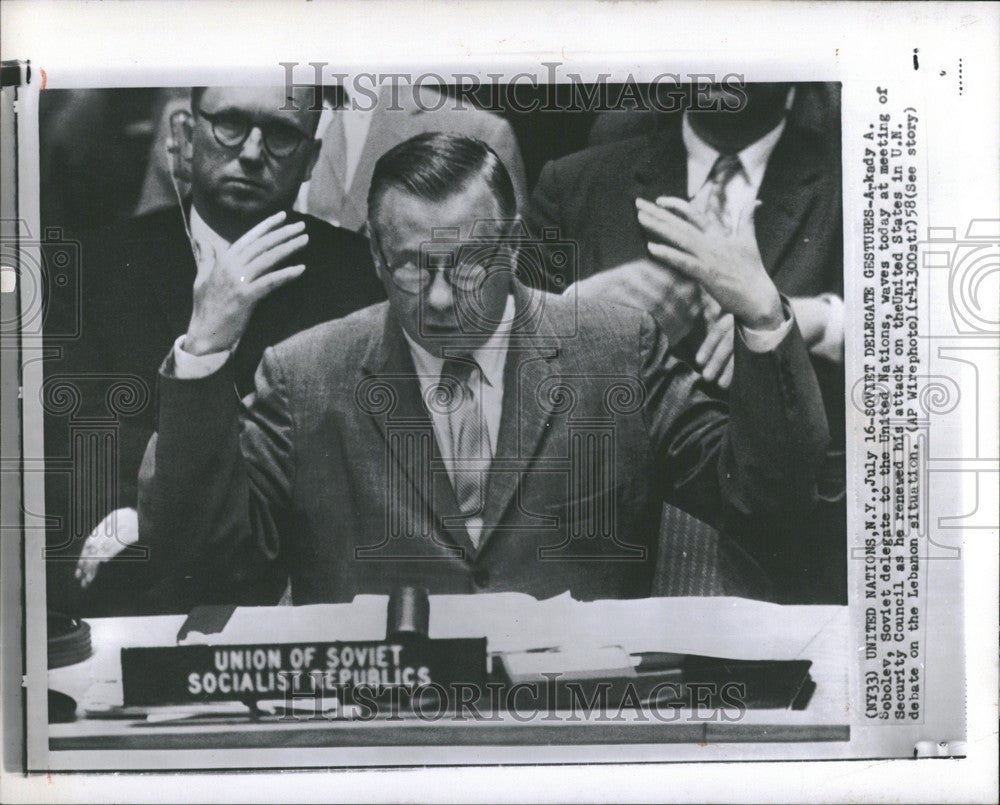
{"x":815,"y":106}
{"x":355,"y":132}
{"x":470,"y":434}
{"x":142,"y":280}
{"x":364,"y":128}
{"x":778,"y":184}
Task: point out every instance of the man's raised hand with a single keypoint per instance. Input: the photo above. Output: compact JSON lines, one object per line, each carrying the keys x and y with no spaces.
{"x":728,"y":266}
{"x":228,"y":287}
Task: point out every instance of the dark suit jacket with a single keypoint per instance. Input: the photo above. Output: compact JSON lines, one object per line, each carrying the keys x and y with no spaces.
{"x":590,"y":197}
{"x":331,"y":472}
{"x":137,"y":282}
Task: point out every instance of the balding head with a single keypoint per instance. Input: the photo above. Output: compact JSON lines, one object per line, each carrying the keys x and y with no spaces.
{"x":249,"y":154}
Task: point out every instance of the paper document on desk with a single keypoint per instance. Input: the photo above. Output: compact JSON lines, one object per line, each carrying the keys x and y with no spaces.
{"x":748,"y":630}
{"x":517,"y":622}
{"x":744,"y":629}
{"x":362,"y":619}
{"x":509,"y":621}
{"x":607,"y":662}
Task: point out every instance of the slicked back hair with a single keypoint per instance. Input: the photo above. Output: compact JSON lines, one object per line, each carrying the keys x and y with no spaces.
{"x":434,"y":166}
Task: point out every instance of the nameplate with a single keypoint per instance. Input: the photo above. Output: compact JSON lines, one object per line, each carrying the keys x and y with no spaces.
{"x":269,"y":671}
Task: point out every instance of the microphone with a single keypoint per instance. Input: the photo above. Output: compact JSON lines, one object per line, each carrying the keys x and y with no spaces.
{"x":409,"y":612}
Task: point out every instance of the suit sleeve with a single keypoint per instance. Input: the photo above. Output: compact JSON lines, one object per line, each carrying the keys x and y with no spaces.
{"x":214,"y":485}
{"x":752,"y":462}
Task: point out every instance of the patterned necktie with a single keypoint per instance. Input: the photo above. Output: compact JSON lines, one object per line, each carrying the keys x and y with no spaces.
{"x":724,"y":169}
{"x":471,"y":452}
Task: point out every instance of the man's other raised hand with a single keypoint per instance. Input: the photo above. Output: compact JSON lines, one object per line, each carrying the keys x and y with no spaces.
{"x":228,"y":287}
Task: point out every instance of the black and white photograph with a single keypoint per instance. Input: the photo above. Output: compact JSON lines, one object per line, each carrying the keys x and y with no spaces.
{"x":541,"y":410}
{"x":377,"y":359}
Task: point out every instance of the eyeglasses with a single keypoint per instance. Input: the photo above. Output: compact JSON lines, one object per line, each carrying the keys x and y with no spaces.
{"x":231,"y":130}
{"x":466,"y":272}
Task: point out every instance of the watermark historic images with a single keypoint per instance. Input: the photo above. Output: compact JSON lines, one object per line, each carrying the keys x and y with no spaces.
{"x":497,"y":412}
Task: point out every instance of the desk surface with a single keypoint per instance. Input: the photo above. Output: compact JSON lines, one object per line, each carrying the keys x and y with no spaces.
{"x":72,"y":745}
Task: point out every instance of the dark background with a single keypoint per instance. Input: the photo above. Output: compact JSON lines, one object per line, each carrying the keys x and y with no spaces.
{"x":95,"y":143}
{"x":94,"y":151}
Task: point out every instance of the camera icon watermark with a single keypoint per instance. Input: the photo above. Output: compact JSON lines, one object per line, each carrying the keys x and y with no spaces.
{"x":480,"y":269}
{"x":45,"y":272}
{"x":970,"y":266}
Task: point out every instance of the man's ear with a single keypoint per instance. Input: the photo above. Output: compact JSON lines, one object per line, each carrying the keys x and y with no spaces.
{"x":315,"y":145}
{"x":180,"y":144}
{"x":366,"y":230}
{"x":515,"y":233}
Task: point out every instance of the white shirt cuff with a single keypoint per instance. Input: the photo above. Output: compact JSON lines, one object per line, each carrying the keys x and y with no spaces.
{"x":766,"y":340}
{"x":193,"y":367}
{"x":831,"y":345}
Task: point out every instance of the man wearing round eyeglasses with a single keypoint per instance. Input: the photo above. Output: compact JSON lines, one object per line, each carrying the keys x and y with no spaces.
{"x":453,"y":292}
{"x":146,"y":283}
{"x":249,"y":157}
{"x":471,"y":435}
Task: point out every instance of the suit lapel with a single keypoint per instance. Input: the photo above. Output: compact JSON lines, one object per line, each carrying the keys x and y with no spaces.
{"x":532,"y":357}
{"x":788,"y":193}
{"x":390,"y":374}
{"x":788,"y":190}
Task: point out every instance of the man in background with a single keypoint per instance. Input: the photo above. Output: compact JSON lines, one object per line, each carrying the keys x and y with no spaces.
{"x":143,"y":279}
{"x":355,"y":131}
{"x":748,"y":171}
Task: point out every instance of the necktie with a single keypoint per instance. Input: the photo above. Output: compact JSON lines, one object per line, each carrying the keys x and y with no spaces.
{"x":724,"y":169}
{"x":471,"y":452}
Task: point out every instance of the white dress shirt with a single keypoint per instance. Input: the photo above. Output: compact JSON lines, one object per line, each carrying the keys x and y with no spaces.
{"x":742,"y":189}
{"x":741,"y":195}
{"x":488,"y":392}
